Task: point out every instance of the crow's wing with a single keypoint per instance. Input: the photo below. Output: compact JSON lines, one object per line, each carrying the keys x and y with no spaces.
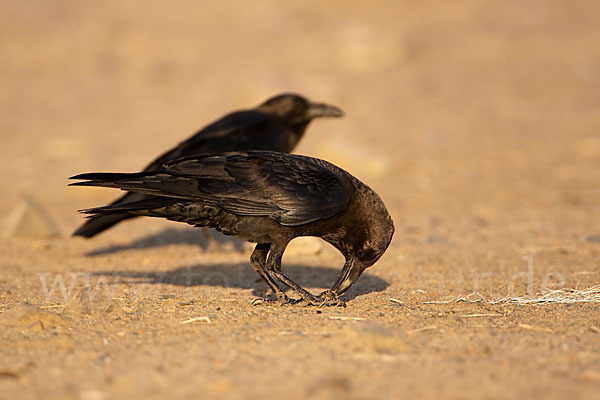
{"x":293,"y":190}
{"x":242,"y":130}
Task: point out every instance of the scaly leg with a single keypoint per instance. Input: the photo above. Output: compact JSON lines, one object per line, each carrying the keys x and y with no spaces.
{"x":274,"y":267}
{"x":258,"y":259}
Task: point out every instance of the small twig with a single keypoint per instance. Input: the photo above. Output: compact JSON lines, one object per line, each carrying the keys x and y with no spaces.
{"x":469,"y":299}
{"x":534,"y":328}
{"x":203,"y":319}
{"x":559,"y":296}
{"x":341,"y":318}
{"x":440,"y":301}
{"x":396,"y":301}
{"x":481,"y":315}
{"x":322,"y":333}
{"x":423,"y":329}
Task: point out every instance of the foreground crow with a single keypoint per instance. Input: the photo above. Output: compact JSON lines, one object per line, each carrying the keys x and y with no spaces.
{"x":268,"y":198}
{"x":276,"y":125}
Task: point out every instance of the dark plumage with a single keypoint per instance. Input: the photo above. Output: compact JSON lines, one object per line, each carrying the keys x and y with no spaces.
{"x":268,"y":198}
{"x":276,"y":125}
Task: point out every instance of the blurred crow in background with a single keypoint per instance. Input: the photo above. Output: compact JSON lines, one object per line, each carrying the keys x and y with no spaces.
{"x":276,"y":125}
{"x":267,"y":198}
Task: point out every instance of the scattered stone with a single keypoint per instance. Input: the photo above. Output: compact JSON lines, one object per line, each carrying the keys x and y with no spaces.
{"x":31,"y":317}
{"x":88,"y":301}
{"x":590,"y":376}
{"x":372,"y":337}
{"x":9,"y":374}
{"x":438,"y":239}
{"x":92,"y":395}
{"x":593,"y":238}
{"x":29,"y":219}
{"x":16,"y":372}
{"x":332,"y":387}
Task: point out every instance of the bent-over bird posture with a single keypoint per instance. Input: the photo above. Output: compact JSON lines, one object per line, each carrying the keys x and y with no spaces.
{"x":268,"y":198}
{"x":276,"y":125}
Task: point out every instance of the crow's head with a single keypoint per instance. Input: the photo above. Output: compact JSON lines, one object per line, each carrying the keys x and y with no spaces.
{"x":295,"y":109}
{"x":365,"y":238}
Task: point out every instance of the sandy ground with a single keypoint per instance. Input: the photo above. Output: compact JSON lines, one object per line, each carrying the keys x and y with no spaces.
{"x":476,"y":121}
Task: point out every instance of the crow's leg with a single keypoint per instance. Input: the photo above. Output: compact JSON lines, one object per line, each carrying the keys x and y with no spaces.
{"x":258,"y":259}
{"x":274,"y":267}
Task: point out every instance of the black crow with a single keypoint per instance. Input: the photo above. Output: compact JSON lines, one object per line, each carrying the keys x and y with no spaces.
{"x":276,"y":125}
{"x":267,"y":198}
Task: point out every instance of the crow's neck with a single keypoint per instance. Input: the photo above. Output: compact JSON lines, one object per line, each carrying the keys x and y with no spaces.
{"x":297,"y":131}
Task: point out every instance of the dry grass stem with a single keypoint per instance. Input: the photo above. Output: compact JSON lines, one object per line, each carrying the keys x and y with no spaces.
{"x":481,"y":315}
{"x":196,"y":319}
{"x":423,"y":329}
{"x":342,"y":318}
{"x":559,"y":296}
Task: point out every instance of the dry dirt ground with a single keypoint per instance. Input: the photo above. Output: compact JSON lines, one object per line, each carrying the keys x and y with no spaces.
{"x":477,"y":122}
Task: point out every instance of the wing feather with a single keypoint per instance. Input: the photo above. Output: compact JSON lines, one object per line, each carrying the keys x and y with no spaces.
{"x":291,"y":189}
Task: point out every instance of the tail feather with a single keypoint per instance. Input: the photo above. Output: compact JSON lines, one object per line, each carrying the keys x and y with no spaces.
{"x":129,"y":207}
{"x":107,"y":176}
{"x":148,"y":183}
{"x":147,"y":190}
{"x":100,"y":222}
{"x":110,"y":179}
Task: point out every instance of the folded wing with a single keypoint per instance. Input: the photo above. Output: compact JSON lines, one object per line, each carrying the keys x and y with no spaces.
{"x":293,"y":190}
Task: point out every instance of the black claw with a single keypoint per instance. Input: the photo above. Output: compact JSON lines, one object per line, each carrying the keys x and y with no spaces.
{"x":260,"y":300}
{"x":291,"y":301}
{"x":325,"y":299}
{"x":264,"y":300}
{"x":282,"y":299}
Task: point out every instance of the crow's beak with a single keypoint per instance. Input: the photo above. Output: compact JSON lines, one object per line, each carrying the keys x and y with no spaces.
{"x":324,"y":110}
{"x":350,"y":273}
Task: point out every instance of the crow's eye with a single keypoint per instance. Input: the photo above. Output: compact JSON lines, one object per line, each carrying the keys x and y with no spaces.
{"x":299,"y":106}
{"x":360,"y":253}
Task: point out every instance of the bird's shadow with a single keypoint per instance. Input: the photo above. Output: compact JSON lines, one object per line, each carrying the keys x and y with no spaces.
{"x":171,"y":236}
{"x":242,"y":276}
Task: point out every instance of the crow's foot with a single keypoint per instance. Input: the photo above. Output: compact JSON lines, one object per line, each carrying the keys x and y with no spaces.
{"x":325,"y":299}
{"x":328,"y":298}
{"x":282,"y":299}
